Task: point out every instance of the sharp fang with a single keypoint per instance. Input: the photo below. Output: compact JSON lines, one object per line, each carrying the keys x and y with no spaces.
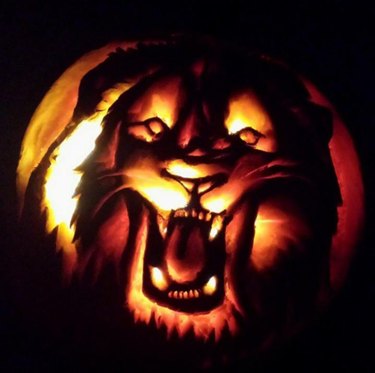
{"x":191,"y":294}
{"x":208,"y":216}
{"x":163,"y":225}
{"x":194,"y":214}
{"x":210,"y":286}
{"x":216,"y":226}
{"x":201,"y":216}
{"x":186,"y":294}
{"x":196,"y":293}
{"x":158,"y":278}
{"x":175,"y":294}
{"x":170,"y":294}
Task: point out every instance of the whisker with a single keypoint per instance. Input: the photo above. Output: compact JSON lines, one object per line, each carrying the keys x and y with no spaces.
{"x":270,"y":167}
{"x":112,"y":174}
{"x":106,"y":197}
{"x":99,"y":205}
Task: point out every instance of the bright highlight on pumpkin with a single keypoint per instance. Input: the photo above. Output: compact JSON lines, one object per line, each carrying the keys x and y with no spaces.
{"x":210,"y":286}
{"x":62,"y":178}
{"x":158,"y":279}
{"x":217,"y":225}
{"x":161,"y":109}
{"x":216,"y":204}
{"x":246,"y":111}
{"x":183,"y":170}
{"x":166,"y":199}
{"x":159,"y":102}
{"x":166,"y":195}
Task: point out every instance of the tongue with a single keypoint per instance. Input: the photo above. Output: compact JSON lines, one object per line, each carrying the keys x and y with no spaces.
{"x":185,"y":249}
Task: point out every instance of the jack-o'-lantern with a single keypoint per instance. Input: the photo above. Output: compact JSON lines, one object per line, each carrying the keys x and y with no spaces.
{"x":219,"y":187}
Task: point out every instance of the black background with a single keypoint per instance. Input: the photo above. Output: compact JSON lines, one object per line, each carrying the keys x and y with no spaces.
{"x":331,"y":42}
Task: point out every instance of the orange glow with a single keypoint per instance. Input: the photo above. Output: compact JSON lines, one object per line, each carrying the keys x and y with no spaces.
{"x":140,"y":132}
{"x":62,"y":177}
{"x":165,"y":199}
{"x":181,"y":169}
{"x":148,"y":132}
{"x":162,"y":223}
{"x":277,"y":227}
{"x":165,"y":195}
{"x":54,"y":113}
{"x":217,"y":204}
{"x":61,"y":182}
{"x":246,"y":111}
{"x":159,"y":101}
{"x":144,"y":309}
{"x":161,"y":108}
{"x":216,"y":226}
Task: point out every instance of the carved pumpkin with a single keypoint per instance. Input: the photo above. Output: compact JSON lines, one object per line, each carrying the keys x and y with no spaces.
{"x":220,"y":188}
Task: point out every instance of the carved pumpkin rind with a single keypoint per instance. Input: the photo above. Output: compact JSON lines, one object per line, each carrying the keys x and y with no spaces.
{"x":257,"y":224}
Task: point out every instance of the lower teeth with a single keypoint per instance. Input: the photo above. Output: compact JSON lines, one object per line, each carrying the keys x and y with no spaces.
{"x":208,"y":289}
{"x":184,"y":294}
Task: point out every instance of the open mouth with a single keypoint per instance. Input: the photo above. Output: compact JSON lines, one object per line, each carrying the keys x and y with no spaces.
{"x":184,"y":266}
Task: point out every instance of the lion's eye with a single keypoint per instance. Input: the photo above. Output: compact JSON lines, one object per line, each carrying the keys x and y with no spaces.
{"x":149,"y":130}
{"x":248,"y":120}
{"x":249,"y":136}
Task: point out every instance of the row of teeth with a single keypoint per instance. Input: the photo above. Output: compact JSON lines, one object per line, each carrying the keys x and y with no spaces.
{"x":216,"y":220}
{"x":184,"y":294}
{"x":159,"y":280}
{"x":201,"y":215}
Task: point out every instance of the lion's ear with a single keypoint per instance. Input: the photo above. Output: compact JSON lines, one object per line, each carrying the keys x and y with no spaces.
{"x":121,"y":66}
{"x":314,"y":121}
{"x":96,"y":81}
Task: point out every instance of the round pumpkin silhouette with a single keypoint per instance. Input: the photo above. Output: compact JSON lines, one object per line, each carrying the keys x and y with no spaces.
{"x":217,"y":188}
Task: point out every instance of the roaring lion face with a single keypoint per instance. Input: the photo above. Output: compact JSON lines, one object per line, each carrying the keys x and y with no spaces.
{"x":210,"y":191}
{"x":210,"y":178}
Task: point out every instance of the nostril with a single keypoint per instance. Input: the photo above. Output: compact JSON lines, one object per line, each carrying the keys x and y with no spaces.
{"x":199,"y":146}
{"x":221,"y":144}
{"x":190,"y":143}
{"x":197,"y":153}
{"x":188,"y":132}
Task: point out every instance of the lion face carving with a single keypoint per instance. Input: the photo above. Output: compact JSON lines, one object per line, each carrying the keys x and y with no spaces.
{"x":209,"y":190}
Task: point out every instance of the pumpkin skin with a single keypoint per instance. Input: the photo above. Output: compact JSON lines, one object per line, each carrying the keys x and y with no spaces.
{"x":215,"y":191}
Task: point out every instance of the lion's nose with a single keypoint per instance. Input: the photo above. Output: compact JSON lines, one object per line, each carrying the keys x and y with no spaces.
{"x":197,"y":136}
{"x":191,"y":135}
